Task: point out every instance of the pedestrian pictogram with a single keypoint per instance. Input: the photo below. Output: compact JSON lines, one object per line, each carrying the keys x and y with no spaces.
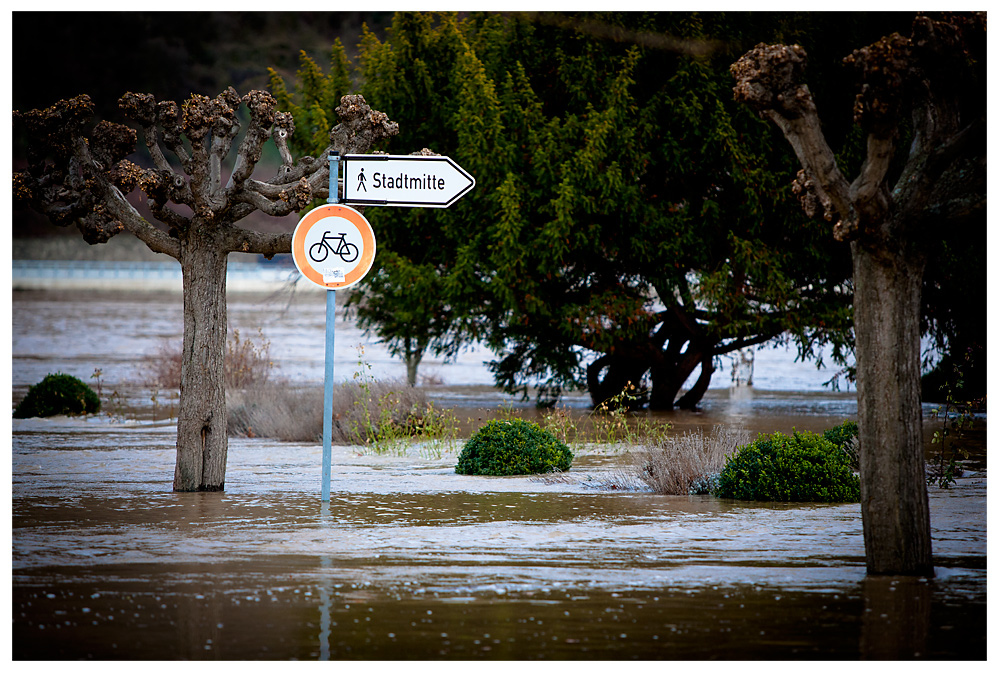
{"x":404,"y":180}
{"x":333,"y":246}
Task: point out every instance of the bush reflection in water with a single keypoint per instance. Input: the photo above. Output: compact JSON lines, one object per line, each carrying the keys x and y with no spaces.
{"x":411,"y":561}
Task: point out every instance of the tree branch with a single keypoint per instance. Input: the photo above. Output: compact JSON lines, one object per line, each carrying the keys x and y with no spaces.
{"x":238,"y":239}
{"x":295,"y":185}
{"x":768,"y":80}
{"x":112,"y":201}
{"x":868,"y":193}
{"x":744,"y":342}
{"x":142,"y":109}
{"x":168,"y":116}
{"x":262,"y":107}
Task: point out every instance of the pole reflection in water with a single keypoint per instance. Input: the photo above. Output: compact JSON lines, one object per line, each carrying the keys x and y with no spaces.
{"x":325,"y":594}
{"x":325,"y":608}
{"x":109,"y":563}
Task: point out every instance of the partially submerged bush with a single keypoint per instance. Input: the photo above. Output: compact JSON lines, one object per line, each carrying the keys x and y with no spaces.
{"x":842,"y":434}
{"x":804,"y":467}
{"x":58,"y":394}
{"x":515,"y":446}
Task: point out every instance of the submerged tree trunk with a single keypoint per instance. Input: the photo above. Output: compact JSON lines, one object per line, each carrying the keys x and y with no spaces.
{"x":894,"y":501}
{"x":609,"y":375}
{"x":692,"y":397}
{"x":202,"y":443}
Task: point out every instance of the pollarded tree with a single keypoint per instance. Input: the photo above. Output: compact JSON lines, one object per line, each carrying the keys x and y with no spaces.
{"x":78,"y":173}
{"x":929,"y":89}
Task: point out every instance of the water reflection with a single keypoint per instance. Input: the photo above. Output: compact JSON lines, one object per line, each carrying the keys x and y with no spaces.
{"x":896,"y":622}
{"x":411,"y":561}
{"x":325,"y":606}
{"x":190,"y":617}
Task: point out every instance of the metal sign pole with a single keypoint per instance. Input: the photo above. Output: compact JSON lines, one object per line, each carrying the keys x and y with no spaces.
{"x":330,"y":337}
{"x":328,"y":395}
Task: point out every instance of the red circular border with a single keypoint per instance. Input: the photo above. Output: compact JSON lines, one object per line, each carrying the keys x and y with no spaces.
{"x":312,"y":218}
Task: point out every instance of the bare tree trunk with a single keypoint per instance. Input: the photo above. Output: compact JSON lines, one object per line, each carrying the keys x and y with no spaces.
{"x":202,"y":443}
{"x":894,"y":501}
{"x":414,"y":355}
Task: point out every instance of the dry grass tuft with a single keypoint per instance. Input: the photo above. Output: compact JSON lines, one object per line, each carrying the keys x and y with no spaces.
{"x":247,"y":363}
{"x":686,"y":463}
{"x":377,"y":413}
{"x":277,"y":411}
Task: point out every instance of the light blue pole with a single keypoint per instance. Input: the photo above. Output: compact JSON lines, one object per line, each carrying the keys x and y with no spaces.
{"x":334,"y":197}
{"x":328,"y":394}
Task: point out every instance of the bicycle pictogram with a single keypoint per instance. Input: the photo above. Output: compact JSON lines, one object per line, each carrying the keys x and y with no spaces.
{"x":348,"y":252}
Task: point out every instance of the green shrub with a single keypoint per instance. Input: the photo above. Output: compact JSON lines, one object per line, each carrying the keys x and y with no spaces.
{"x":58,"y":394}
{"x":513,"y":447}
{"x":846,"y":437}
{"x":804,"y":467}
{"x":842,"y":434}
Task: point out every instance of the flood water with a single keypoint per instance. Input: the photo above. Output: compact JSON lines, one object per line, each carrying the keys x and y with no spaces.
{"x":410,"y":560}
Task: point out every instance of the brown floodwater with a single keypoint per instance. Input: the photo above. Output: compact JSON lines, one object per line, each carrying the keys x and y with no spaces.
{"x":411,"y":561}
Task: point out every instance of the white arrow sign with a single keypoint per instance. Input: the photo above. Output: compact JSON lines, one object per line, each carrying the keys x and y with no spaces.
{"x":403,"y":180}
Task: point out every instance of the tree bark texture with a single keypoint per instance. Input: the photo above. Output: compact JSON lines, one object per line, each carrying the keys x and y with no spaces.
{"x":202,"y":443}
{"x":891,"y":230}
{"x":894,"y":502}
{"x":80,"y":175}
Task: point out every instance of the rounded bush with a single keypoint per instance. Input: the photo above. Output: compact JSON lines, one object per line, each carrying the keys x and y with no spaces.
{"x":513,"y":447}
{"x":804,"y":467}
{"x":58,"y":394}
{"x":841,"y":435}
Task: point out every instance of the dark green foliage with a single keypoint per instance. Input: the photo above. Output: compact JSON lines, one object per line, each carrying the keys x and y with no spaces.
{"x":58,"y":394}
{"x":842,"y":434}
{"x":513,"y":447}
{"x":804,"y":467}
{"x":626,"y":209}
{"x":610,"y":178}
{"x":846,"y":437}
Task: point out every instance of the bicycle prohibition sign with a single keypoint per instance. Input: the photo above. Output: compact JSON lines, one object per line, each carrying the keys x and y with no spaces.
{"x":320,"y":250}
{"x":333,"y":246}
